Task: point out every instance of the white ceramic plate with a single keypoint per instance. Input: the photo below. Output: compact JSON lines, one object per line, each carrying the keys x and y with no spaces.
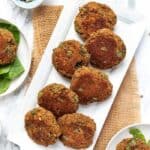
{"x":24,"y":55}
{"x":124,"y":133}
{"x":131,"y":33}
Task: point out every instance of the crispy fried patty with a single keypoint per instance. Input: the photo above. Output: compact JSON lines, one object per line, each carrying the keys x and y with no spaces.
{"x":41,"y":126}
{"x":77,"y":130}
{"x":58,"y":99}
{"x":132,"y":144}
{"x":94,"y":16}
{"x":91,"y":85}
{"x":106,"y":48}
{"x":69,"y":56}
{"x":8,"y":47}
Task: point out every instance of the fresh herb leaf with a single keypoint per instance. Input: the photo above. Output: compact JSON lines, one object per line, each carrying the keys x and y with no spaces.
{"x":128,"y":147}
{"x":137,"y":134}
{"x":83,"y":51}
{"x":131,"y":143}
{"x":75,"y":98}
{"x":16,"y":70}
{"x":69,"y":53}
{"x":9,"y":73}
{"x":4,"y":69}
{"x":13,"y":29}
{"x":4,"y":85}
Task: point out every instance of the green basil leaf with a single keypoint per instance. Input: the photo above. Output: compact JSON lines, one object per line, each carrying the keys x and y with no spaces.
{"x":137,"y":134}
{"x":4,"y":85}
{"x":13,"y":29}
{"x":15,"y":71}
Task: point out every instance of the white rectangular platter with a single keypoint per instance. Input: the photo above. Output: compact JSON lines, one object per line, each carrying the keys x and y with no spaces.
{"x":131,"y":33}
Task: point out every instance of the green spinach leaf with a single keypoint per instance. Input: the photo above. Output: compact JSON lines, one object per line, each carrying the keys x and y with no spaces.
{"x":4,"y":85}
{"x":4,"y":69}
{"x":15,"y":71}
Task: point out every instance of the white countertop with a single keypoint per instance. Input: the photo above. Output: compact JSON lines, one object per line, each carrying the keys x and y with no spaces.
{"x":142,"y":63}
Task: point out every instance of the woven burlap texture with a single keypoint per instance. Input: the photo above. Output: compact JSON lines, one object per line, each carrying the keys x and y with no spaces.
{"x":44,"y":20}
{"x":126,"y":108}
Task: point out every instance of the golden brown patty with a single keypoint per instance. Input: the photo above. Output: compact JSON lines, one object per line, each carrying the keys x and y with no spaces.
{"x":41,"y":126}
{"x":106,"y":49}
{"x":94,"y":16}
{"x":58,"y":99}
{"x":69,"y":56}
{"x":123,"y":144}
{"x":8,"y":47}
{"x":132,"y":144}
{"x":77,"y":130}
{"x":91,"y":85}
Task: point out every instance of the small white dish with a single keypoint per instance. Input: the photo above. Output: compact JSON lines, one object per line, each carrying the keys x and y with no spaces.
{"x":28,"y":5}
{"x":24,"y":55}
{"x":124,"y":133}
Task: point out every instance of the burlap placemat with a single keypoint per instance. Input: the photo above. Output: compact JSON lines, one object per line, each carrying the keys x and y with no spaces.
{"x":126,"y":108}
{"x":44,"y":20}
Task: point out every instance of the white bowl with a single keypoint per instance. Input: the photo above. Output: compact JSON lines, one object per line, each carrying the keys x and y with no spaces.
{"x":28,"y":5}
{"x":124,"y":133}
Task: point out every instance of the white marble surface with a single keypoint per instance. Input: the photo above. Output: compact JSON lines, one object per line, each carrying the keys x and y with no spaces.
{"x":142,"y":61}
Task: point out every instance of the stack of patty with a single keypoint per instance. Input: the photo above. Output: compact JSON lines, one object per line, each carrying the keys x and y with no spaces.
{"x":75,"y":130}
{"x":56,"y":116}
{"x":95,"y":23}
{"x":93,"y":16}
{"x":103,"y":48}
